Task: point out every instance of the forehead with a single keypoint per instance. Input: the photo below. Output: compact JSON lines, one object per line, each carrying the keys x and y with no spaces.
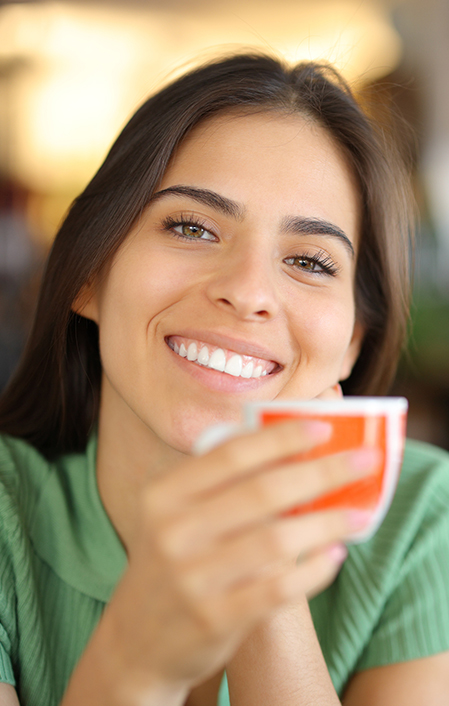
{"x":272,"y":162}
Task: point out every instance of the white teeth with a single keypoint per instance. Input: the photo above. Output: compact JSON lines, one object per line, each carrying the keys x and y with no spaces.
{"x":248,"y":370}
{"x":203,"y":356}
{"x":192,"y":352}
{"x":234,"y":366}
{"x":221,"y":360}
{"x":217,"y":360}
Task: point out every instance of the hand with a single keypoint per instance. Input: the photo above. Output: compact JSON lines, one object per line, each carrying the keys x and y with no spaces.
{"x":215,"y":555}
{"x":331,"y":393}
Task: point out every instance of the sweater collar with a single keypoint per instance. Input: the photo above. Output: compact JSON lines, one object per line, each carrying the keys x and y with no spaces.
{"x":71,"y":530}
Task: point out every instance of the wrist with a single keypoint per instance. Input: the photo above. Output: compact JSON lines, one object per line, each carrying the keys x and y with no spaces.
{"x":281,"y":662}
{"x":152,"y":693}
{"x":105,"y":676}
{"x":90,"y":686}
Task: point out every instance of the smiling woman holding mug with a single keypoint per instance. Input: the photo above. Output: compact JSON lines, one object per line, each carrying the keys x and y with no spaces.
{"x":246,"y":239}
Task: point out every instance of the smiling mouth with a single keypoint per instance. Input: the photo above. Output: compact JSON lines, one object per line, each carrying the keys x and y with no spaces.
{"x":221,"y":359}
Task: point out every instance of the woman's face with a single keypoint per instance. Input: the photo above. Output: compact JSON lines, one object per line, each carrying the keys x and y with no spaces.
{"x":244,"y":260}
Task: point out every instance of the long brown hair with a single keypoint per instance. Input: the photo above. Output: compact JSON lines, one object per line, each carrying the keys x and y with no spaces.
{"x":52,"y":400}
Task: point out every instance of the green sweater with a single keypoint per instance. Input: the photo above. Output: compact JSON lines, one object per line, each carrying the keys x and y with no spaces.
{"x":60,"y":560}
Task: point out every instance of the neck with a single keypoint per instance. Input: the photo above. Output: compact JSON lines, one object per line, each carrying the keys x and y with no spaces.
{"x":129,"y":455}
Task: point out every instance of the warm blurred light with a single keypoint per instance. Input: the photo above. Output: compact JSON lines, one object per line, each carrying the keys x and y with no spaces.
{"x":86,"y":67}
{"x":65,"y":123}
{"x":79,"y":82}
{"x":358,"y":39}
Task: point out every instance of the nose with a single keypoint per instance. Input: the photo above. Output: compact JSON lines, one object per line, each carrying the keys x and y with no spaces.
{"x":244,"y":285}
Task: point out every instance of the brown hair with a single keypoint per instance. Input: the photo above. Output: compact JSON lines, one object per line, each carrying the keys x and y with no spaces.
{"x":53,"y":399}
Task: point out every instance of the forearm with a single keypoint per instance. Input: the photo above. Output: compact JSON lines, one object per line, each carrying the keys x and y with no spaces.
{"x":281,"y":662}
{"x":102,"y":678}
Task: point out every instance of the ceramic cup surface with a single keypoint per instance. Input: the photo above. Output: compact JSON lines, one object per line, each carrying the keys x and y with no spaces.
{"x":357,"y":422}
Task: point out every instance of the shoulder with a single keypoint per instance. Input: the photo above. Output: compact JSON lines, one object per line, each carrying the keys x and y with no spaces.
{"x":415,"y":530}
{"x":422,"y":494}
{"x":390,"y":602}
{"x":404,"y":567}
{"x":23,"y":470}
{"x":421,"y":457}
{"x":419,"y":512}
{"x":19,"y":460}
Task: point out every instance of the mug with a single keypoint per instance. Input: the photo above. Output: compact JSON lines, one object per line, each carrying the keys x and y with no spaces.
{"x":378,"y":422}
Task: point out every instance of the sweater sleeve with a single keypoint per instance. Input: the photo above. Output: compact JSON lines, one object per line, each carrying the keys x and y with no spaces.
{"x":7,"y":601}
{"x":9,"y":533}
{"x":6,"y":673}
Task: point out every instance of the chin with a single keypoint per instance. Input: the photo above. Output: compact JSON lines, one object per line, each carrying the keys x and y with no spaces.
{"x":185,"y":431}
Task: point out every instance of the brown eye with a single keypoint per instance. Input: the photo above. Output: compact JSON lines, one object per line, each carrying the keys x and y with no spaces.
{"x":192,"y":231}
{"x":305,"y":264}
{"x":317,"y":264}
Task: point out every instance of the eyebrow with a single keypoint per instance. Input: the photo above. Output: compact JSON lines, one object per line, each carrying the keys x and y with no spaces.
{"x":206,"y":197}
{"x":316,"y":226}
{"x":299,"y":225}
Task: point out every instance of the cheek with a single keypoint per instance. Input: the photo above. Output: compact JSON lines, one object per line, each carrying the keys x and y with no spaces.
{"x":322,"y":331}
{"x":128,"y":301}
{"x":140,"y":288}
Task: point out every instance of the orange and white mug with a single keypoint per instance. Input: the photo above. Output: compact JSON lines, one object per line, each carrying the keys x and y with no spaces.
{"x":378,"y":422}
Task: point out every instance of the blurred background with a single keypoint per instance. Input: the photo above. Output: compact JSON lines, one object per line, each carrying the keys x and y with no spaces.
{"x":71,"y":73}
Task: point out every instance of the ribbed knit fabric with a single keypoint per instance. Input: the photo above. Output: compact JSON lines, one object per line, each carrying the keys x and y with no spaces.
{"x":60,"y":560}
{"x":390,"y":602}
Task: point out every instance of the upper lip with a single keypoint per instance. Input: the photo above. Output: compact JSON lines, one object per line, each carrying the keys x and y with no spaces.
{"x":255,"y":350}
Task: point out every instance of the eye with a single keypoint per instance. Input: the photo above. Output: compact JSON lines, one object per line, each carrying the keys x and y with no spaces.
{"x":304,"y":263}
{"x":187,"y":227}
{"x":319,"y":263}
{"x":193,"y":230}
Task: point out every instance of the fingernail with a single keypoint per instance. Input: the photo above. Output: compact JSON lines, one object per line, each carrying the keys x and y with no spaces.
{"x":358,"y":518}
{"x":319,"y":431}
{"x":364,"y":460}
{"x":338,"y":390}
{"x":338,"y":553}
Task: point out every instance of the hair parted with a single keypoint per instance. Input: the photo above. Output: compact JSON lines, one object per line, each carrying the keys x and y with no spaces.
{"x":52,"y":401}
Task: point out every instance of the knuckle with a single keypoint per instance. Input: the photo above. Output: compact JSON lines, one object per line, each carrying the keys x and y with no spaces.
{"x":278,"y":590}
{"x":168,"y":535}
{"x":156,"y":501}
{"x":273,"y":541}
{"x":232,"y":453}
{"x":171,"y":538}
{"x":209,"y":619}
{"x":264,"y":493}
{"x":321,"y":574}
{"x":331,"y":525}
{"x":338,"y":469}
{"x":330,"y":472}
{"x":288,"y":438}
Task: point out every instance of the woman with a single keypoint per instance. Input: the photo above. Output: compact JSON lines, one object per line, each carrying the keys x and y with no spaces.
{"x":245,"y":239}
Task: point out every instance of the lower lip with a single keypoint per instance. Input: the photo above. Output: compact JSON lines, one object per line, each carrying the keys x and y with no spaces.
{"x":220,"y":382}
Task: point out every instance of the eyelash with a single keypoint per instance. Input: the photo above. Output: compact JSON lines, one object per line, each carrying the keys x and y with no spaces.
{"x":321,"y":259}
{"x":170,"y":224}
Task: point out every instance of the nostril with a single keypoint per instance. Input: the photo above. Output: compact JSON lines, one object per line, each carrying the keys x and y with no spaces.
{"x":246,"y":310}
